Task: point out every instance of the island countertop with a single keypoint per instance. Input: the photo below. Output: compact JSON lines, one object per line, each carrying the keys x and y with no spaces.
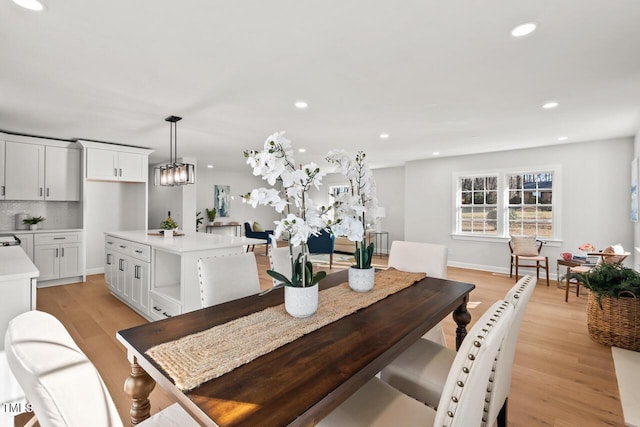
{"x":15,"y":264}
{"x":190,"y":242}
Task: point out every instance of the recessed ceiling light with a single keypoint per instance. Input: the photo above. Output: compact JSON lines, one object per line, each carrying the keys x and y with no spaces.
{"x":30,"y":4}
{"x":524,"y":29}
{"x":301,"y":105}
{"x":550,"y":105}
{"x":210,"y":166}
{"x":435,"y":153}
{"x":563,"y":138}
{"x":302,"y":150}
{"x":384,"y":135}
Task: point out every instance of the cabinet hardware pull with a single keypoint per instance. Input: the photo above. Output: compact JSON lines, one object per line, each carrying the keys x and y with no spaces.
{"x":109,"y":243}
{"x":166,"y":314}
{"x":108,"y":259}
{"x":156,"y":308}
{"x":115,"y":171}
{"x":138,"y":251}
{"x":3,"y":190}
{"x":59,"y":238}
{"x":47,"y":191}
{"x":62,"y":251}
{"x":120,"y":171}
{"x":136,"y":272}
{"x":56,"y":252}
{"x":40,"y":191}
{"x":123,"y":246}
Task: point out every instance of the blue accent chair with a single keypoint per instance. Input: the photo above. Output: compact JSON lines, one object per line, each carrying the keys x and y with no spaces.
{"x":322,"y":244}
{"x":266,"y":235}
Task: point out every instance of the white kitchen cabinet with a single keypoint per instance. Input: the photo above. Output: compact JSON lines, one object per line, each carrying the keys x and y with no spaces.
{"x":62,"y":174}
{"x":112,"y":165}
{"x":2,"y":186}
{"x":39,"y":172}
{"x":26,"y":242}
{"x":58,"y":255}
{"x":127,"y":272}
{"x":24,"y":171}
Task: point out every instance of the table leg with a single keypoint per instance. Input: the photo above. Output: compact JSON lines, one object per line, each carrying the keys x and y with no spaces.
{"x":462,"y":318}
{"x":138,"y":386}
{"x":566,"y":290}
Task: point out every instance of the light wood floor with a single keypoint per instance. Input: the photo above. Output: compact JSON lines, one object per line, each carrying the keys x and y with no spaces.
{"x":560,"y":376}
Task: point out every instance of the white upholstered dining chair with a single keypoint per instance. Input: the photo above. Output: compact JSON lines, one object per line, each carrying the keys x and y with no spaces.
{"x":416,"y":257}
{"x":421,"y":371}
{"x":377,"y":404}
{"x":280,"y":260}
{"x":227,"y":277}
{"x":60,"y":382}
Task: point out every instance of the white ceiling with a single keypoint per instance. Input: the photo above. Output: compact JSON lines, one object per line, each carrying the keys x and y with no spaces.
{"x":437,"y":75}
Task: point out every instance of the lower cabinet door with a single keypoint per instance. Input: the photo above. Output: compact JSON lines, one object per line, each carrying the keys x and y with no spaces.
{"x":47,"y":260}
{"x":140,"y":285}
{"x":70,"y":260}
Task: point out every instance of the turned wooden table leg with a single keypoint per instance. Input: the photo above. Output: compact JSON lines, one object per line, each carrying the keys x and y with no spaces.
{"x":138,"y":386}
{"x":462,"y":318}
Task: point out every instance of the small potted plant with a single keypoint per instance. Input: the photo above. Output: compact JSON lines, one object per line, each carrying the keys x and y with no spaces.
{"x":613,"y":311}
{"x":33,"y":221}
{"x":169,"y":227}
{"x":211,"y":215}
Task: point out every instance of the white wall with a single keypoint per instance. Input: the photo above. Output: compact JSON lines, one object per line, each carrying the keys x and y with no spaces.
{"x":110,"y":206}
{"x":390,"y":183}
{"x":241,"y":183}
{"x":595,"y":187}
{"x":636,"y":226}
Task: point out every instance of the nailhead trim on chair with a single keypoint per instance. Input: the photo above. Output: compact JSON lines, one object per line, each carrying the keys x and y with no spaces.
{"x":487,"y":400}
{"x":471,"y":357}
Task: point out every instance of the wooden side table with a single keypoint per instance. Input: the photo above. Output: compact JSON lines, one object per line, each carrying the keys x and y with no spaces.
{"x":571,"y":264}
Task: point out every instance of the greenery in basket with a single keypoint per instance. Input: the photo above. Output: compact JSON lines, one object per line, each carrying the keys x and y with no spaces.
{"x":211,"y":214}
{"x":610,"y":280}
{"x":169,"y":224}
{"x":33,"y":220}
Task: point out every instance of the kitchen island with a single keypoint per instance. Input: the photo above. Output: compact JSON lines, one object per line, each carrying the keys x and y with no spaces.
{"x":158,"y":277}
{"x":17,"y":285}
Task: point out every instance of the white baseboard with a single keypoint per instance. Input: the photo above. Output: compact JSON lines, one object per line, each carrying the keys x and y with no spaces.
{"x":97,"y":270}
{"x":500,"y":270}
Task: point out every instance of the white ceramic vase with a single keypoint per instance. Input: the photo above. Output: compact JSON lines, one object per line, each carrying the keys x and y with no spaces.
{"x":168,"y":234}
{"x":301,"y":302}
{"x":361,"y":279}
{"x":33,"y":226}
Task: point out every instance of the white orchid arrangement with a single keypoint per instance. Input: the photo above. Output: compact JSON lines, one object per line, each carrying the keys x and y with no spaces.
{"x":354,"y":209}
{"x":304,"y":218}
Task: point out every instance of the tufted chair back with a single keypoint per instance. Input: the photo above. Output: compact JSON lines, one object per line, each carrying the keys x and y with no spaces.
{"x":463,"y":397}
{"x":280,"y":260}
{"x":227,"y":277}
{"x":500,"y":380}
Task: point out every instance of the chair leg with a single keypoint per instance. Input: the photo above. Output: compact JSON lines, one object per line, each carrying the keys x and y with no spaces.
{"x":330,"y":260}
{"x":502,"y":415}
{"x":511,"y":268}
{"x":546,"y":265}
{"x":517,"y":262}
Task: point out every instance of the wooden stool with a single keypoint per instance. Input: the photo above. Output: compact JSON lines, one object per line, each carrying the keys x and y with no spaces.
{"x":579,"y":269}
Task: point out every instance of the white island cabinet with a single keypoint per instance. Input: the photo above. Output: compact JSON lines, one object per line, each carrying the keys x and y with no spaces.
{"x":17,"y":285}
{"x":158,"y":277}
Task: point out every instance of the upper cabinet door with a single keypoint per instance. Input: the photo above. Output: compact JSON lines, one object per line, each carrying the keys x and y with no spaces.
{"x":102,"y":164}
{"x":62,"y":174}
{"x":24,"y":171}
{"x":108,"y":165}
{"x":2,"y":186}
{"x":132,"y":167}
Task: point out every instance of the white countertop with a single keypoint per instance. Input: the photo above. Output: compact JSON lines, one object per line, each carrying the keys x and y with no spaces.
{"x":15,"y":264}
{"x":190,"y":242}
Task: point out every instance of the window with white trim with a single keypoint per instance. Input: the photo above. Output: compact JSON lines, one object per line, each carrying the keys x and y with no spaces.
{"x":504,"y":203}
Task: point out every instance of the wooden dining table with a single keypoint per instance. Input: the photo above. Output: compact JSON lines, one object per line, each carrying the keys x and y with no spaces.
{"x":301,"y":382}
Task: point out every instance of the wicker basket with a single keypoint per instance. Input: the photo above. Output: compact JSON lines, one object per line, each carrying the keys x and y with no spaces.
{"x":617,"y":323}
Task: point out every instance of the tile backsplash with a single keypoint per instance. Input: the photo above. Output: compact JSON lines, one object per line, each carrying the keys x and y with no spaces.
{"x":58,"y":215}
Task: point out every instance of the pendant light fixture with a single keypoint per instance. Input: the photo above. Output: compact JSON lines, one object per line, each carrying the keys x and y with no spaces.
{"x":174,"y":172}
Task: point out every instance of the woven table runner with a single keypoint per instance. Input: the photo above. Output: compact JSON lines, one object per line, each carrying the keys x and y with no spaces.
{"x":195,"y":359}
